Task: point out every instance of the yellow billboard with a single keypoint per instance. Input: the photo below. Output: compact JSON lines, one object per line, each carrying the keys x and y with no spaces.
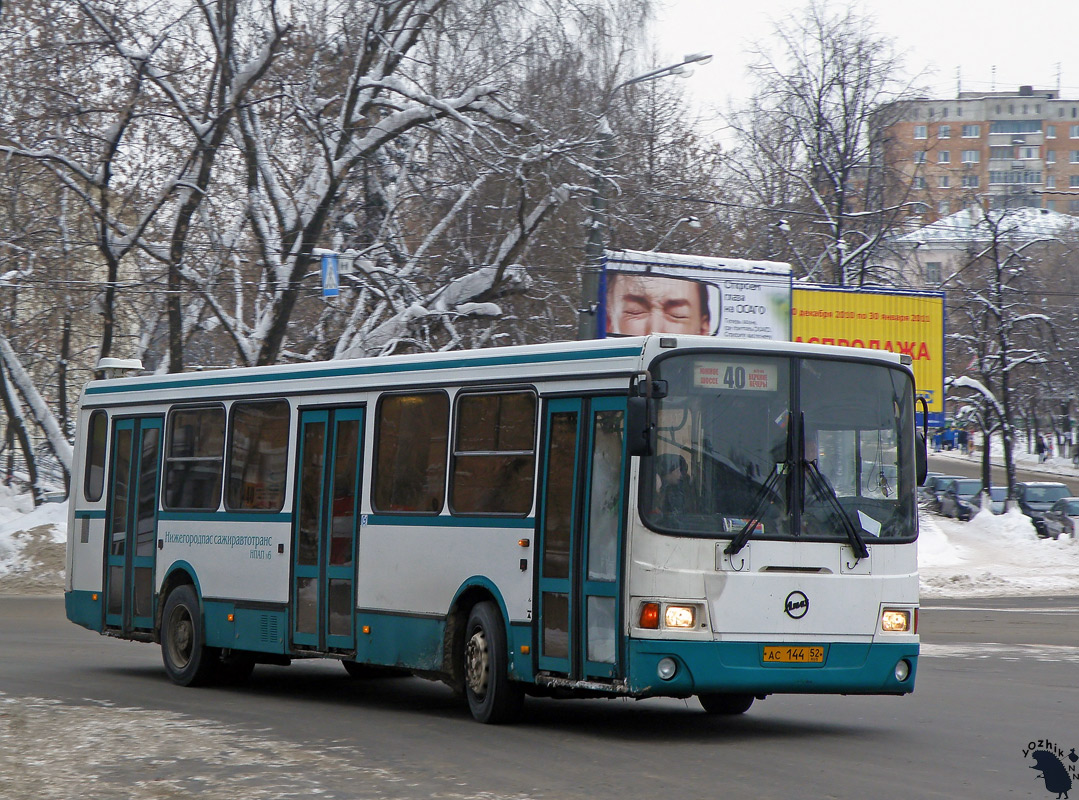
{"x":901,"y":322}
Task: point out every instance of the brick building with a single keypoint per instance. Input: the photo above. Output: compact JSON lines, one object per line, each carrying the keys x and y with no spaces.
{"x":997,"y":149}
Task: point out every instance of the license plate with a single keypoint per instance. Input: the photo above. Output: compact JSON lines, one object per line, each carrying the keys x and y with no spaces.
{"x":793,"y":655}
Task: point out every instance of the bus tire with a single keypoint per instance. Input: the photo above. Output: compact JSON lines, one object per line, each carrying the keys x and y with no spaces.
{"x":492,"y":697}
{"x":726,"y":704}
{"x":188,"y":661}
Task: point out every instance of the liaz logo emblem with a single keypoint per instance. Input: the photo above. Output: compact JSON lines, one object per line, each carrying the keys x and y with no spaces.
{"x":796,"y":605}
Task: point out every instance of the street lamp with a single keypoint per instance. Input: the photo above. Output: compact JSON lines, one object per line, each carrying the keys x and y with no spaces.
{"x":597,"y":227}
{"x":692,"y":221}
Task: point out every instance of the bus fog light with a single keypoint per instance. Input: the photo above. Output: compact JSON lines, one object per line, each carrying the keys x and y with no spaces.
{"x":895,"y":620}
{"x":902,"y":670}
{"x":667,"y":667}
{"x":679,"y":617}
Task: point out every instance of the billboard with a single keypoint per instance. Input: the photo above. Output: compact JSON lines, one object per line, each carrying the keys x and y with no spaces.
{"x":647,"y":292}
{"x":898,"y":321}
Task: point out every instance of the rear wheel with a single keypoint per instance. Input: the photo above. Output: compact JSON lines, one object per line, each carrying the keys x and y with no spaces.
{"x":492,"y":696}
{"x":726,"y":704}
{"x":188,"y":661}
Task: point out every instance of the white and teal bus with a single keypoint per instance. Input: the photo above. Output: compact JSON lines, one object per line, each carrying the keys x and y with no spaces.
{"x":655,"y":516}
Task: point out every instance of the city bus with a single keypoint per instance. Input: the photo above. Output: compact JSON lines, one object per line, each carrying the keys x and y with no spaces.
{"x":656,"y":516}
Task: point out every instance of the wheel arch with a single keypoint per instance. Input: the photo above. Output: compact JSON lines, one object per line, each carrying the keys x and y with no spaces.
{"x":476,"y":589}
{"x":179,"y":573}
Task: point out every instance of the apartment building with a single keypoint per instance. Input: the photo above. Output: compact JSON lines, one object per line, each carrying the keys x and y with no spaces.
{"x":998,"y":150}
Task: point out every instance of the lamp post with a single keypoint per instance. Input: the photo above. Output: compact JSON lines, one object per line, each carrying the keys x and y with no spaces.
{"x":597,"y":226}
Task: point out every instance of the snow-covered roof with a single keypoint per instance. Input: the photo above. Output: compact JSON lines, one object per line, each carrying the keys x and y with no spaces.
{"x":643,"y":258}
{"x":971,"y":225}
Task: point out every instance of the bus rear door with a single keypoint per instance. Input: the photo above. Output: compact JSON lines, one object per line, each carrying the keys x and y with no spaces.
{"x":580,"y":535}
{"x":131,"y":523}
{"x":324,"y":531}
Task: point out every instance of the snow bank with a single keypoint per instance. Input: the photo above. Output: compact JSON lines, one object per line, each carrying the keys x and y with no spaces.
{"x":32,"y":542}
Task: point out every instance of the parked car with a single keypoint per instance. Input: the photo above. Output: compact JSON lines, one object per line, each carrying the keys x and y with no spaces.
{"x":961,"y":498}
{"x":936,"y":489}
{"x":997,"y":497}
{"x":925,"y":491}
{"x":1037,"y":497}
{"x":1061,"y":518}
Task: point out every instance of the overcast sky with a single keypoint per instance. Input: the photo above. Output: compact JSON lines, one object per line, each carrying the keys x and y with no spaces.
{"x":1028,"y":43}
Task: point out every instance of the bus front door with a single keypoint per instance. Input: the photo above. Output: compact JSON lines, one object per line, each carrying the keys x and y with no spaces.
{"x":580,"y":525}
{"x":324,"y":530}
{"x":131,"y":523}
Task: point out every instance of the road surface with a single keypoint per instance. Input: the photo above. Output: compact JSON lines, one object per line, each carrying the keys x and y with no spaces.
{"x":84,"y":715}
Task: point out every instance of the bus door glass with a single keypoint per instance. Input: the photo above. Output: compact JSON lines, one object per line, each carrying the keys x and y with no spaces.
{"x":580,"y":536}
{"x":131,"y":532}
{"x":324,"y":530}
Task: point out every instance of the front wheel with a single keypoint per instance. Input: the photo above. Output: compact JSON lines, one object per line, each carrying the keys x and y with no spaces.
{"x":188,"y":661}
{"x":726,"y":704}
{"x":492,"y":697}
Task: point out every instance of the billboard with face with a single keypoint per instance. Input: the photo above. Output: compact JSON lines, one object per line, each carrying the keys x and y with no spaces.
{"x":646,"y":292}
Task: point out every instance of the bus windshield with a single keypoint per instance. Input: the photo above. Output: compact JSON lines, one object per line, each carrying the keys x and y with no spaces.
{"x":782,"y":447}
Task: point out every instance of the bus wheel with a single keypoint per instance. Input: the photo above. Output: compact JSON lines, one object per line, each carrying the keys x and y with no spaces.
{"x":492,"y":696}
{"x":188,"y":661}
{"x":726,"y":704}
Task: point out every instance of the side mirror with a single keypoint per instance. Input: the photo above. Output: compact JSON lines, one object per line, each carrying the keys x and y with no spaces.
{"x":640,"y":416}
{"x":921,"y":450}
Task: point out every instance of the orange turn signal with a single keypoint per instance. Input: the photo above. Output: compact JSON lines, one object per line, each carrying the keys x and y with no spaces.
{"x":650,"y":616}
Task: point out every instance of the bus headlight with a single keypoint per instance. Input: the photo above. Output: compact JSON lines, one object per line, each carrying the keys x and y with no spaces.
{"x":679,"y":617}
{"x":895,"y":620}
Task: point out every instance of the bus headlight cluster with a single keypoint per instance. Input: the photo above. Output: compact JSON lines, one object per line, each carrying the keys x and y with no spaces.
{"x":896,"y":620}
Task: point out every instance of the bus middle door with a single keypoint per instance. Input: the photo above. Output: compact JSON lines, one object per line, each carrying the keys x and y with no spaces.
{"x":580,"y":534}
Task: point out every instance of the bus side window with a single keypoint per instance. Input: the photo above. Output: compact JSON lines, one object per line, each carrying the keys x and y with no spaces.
{"x":494,"y":458}
{"x":195,"y":455}
{"x":410,"y":452}
{"x":96,"y":438}
{"x":258,"y":455}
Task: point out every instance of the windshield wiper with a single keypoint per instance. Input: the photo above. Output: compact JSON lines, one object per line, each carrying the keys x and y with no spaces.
{"x":826,"y":492}
{"x":759,"y":501}
{"x":759,"y":504}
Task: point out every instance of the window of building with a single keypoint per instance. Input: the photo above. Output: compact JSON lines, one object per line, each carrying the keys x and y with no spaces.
{"x":97,"y":435}
{"x":944,"y":132}
{"x":194,"y":457}
{"x":1051,"y":205}
{"x":1073,"y":131}
{"x":918,"y":182}
{"x":494,"y":456}
{"x":933,"y":271}
{"x":970,"y":181}
{"x":944,"y":181}
{"x":410,"y":452}
{"x":1073,"y":181}
{"x":972,"y":131}
{"x":1073,"y":206}
{"x":921,"y":132}
{"x":1015,"y":176}
{"x":1050,"y":156}
{"x":944,"y":157}
{"x":1051,"y":131}
{"x":1027,"y":153}
{"x":959,"y":111}
{"x":1001,"y":152}
{"x":972,"y":156}
{"x":1015,"y":126}
{"x":919,"y":156}
{"x":258,"y":456}
{"x":1073,"y":156}
{"x":944,"y":208}
{"x":1050,"y":181}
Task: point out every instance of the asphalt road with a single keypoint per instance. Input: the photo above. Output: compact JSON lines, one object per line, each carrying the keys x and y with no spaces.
{"x":995,"y":675}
